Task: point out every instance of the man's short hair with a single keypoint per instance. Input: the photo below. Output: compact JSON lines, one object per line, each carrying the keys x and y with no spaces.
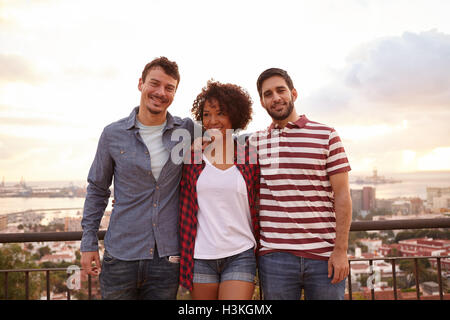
{"x":271,"y":73}
{"x":169,"y":67}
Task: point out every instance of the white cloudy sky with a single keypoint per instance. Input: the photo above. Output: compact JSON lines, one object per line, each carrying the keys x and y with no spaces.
{"x":377,"y":71}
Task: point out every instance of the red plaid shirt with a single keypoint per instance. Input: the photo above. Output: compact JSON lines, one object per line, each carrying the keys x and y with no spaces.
{"x":189,"y":205}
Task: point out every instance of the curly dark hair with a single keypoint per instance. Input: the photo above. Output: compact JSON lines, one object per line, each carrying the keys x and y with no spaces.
{"x":233,"y":100}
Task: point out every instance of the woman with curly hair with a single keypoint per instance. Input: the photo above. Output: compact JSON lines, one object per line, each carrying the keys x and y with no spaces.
{"x":218,"y":201}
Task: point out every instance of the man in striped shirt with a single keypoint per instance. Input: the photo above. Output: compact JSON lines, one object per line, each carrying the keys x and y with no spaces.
{"x":305,"y":204}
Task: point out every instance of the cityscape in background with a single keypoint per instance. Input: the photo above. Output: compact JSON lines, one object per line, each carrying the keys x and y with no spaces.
{"x":58,"y":206}
{"x":46,"y":203}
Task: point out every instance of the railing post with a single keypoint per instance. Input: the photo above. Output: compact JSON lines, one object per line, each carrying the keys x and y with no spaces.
{"x":394,"y":279}
{"x":6,"y":286}
{"x":47,"y":277}
{"x":441,"y":295}
{"x":372,"y":291}
{"x":416,"y":275}
{"x":27,"y":285}
{"x":89,"y":287}
{"x":350,"y":293}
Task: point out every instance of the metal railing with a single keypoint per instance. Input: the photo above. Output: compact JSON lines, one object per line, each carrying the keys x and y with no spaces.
{"x":47,"y":281}
{"x":394,"y":274}
{"x":356,"y":226}
{"x":42,"y":237}
{"x":400,"y":225}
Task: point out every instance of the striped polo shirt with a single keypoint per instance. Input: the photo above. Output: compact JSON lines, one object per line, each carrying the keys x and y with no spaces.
{"x":296,"y":199}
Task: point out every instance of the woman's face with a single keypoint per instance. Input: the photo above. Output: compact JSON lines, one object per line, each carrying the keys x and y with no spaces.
{"x":215,"y":118}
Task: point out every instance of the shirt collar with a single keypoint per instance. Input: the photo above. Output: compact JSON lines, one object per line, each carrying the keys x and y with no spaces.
{"x":171,"y":121}
{"x":300,"y":123}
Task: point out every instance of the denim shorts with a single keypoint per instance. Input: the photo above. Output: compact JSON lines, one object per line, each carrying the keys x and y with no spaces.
{"x":241,"y":266}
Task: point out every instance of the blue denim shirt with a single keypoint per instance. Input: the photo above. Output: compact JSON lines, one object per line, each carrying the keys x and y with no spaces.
{"x":146,"y":211}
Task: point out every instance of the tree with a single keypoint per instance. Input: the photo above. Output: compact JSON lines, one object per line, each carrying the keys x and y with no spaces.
{"x":421,"y":233}
{"x":13,"y":257}
{"x":408,"y":267}
{"x":43,"y":251}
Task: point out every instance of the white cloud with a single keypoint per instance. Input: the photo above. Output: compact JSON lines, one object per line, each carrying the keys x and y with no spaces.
{"x":407,"y":71}
{"x":392,"y":95}
{"x":393,"y":75}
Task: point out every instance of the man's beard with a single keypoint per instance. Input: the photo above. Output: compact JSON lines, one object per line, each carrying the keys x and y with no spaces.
{"x":284,"y":114}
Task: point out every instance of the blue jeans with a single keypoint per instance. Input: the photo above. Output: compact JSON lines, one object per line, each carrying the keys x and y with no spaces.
{"x":283,"y":276}
{"x":149,"y":279}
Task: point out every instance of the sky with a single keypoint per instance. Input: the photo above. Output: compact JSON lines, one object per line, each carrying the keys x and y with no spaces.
{"x":376,"y":71}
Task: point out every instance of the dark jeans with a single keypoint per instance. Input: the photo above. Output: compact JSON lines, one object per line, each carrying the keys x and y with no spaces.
{"x":149,"y":279}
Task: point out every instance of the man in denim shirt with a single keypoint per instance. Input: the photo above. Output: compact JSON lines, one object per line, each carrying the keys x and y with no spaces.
{"x":141,"y":259}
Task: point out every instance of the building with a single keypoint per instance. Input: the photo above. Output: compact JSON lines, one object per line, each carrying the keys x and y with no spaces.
{"x":441,"y":204}
{"x":28,"y":217}
{"x":373,"y":245}
{"x":430,"y":288}
{"x":420,"y":247}
{"x":408,"y":217}
{"x":385,"y":204}
{"x":381,"y":268}
{"x":57,"y":258}
{"x":72,"y":224}
{"x":356,"y":195}
{"x":436,"y":193}
{"x":424,"y":247}
{"x":3,"y":222}
{"x":363,"y":200}
{"x":389,"y":249}
{"x":401,"y":207}
{"x":368,"y":199}
{"x":417,"y":206}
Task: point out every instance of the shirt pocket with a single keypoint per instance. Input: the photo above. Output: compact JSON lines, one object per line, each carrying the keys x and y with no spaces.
{"x":125,"y":158}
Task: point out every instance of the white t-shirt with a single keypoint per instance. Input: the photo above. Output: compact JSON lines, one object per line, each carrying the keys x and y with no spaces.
{"x":152,"y":137}
{"x":224,"y":221}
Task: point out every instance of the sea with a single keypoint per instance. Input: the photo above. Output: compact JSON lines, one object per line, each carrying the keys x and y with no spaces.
{"x":413,"y":184}
{"x":70,"y":206}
